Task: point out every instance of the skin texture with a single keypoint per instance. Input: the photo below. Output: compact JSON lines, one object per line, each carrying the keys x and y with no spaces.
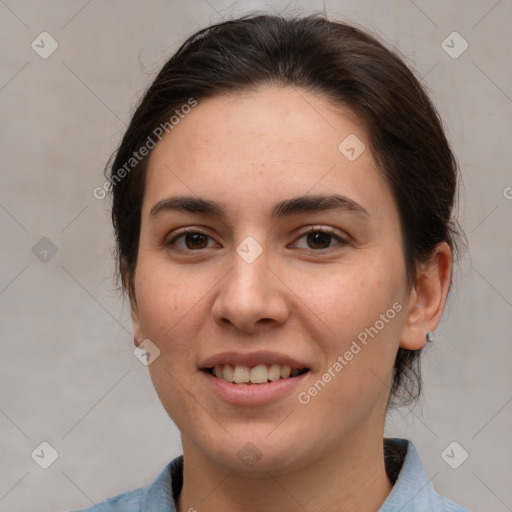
{"x":248,"y":151}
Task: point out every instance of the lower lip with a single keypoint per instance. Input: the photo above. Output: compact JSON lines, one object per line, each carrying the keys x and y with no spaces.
{"x":252,"y":394}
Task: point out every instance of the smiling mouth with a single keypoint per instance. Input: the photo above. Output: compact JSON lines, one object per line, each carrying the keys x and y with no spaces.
{"x":259,"y":374}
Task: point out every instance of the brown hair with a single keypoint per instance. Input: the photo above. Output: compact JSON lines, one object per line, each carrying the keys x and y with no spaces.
{"x":347,"y":66}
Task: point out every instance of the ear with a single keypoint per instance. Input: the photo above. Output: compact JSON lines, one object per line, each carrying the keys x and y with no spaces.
{"x":129,"y":286}
{"x":427,"y":298}
{"x":138,"y":335}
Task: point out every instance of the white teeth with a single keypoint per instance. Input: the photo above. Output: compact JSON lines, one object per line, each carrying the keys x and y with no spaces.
{"x":259,"y":374}
{"x":241,"y":374}
{"x":218,"y":371}
{"x":228,"y":373}
{"x":274,"y":372}
{"x":285,"y":372}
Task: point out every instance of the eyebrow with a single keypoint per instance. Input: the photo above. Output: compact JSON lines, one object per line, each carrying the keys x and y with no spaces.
{"x":285,"y":208}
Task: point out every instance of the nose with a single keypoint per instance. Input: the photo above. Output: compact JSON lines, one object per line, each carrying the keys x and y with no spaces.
{"x":250,"y":296}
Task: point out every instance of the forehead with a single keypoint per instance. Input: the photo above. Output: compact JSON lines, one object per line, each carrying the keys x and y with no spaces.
{"x":285,"y":121}
{"x":255,"y":147}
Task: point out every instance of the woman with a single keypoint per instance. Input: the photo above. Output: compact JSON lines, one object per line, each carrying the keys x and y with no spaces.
{"x":282,"y":204}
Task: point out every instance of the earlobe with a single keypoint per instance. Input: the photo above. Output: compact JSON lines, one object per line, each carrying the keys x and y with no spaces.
{"x":427,"y":298}
{"x":128,"y":282}
{"x":138,"y":335}
{"x":137,"y":328}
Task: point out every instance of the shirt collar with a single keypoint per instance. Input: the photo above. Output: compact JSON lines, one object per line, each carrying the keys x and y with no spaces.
{"x":413,"y":489}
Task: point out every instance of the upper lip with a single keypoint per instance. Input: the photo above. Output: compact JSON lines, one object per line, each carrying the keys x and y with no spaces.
{"x":252,"y":359}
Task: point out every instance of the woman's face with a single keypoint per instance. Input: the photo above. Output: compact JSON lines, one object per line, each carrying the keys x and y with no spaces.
{"x":250,"y":288}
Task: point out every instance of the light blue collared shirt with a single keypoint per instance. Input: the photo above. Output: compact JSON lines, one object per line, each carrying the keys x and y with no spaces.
{"x":412,"y":491}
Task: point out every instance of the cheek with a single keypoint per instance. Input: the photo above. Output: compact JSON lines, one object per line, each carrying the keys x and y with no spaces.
{"x":361,"y":306}
{"x":167,"y":302}
{"x":351,"y":297}
{"x":168,"y":299}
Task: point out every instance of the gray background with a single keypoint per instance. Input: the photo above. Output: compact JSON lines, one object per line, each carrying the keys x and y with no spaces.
{"x":69,"y":376}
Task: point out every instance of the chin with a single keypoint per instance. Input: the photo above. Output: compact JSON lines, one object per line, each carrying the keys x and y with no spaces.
{"x":254,"y":452}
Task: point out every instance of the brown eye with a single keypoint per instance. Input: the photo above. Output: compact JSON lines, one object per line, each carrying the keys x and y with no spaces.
{"x":319,"y":239}
{"x":193,"y":240}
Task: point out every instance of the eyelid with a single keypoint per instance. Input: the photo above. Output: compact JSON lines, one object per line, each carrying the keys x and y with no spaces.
{"x":189,"y":229}
{"x":319,"y":227}
{"x":343,"y":239}
{"x":169,"y":241}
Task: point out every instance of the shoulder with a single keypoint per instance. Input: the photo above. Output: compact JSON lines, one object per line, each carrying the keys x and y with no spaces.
{"x":127,"y":502}
{"x":159,"y":495}
{"x":413,"y":490}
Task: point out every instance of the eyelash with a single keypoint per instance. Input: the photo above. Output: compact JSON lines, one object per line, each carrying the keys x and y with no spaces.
{"x":312,"y":229}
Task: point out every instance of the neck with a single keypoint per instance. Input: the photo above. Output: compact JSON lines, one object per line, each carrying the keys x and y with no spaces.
{"x":350,"y":478}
